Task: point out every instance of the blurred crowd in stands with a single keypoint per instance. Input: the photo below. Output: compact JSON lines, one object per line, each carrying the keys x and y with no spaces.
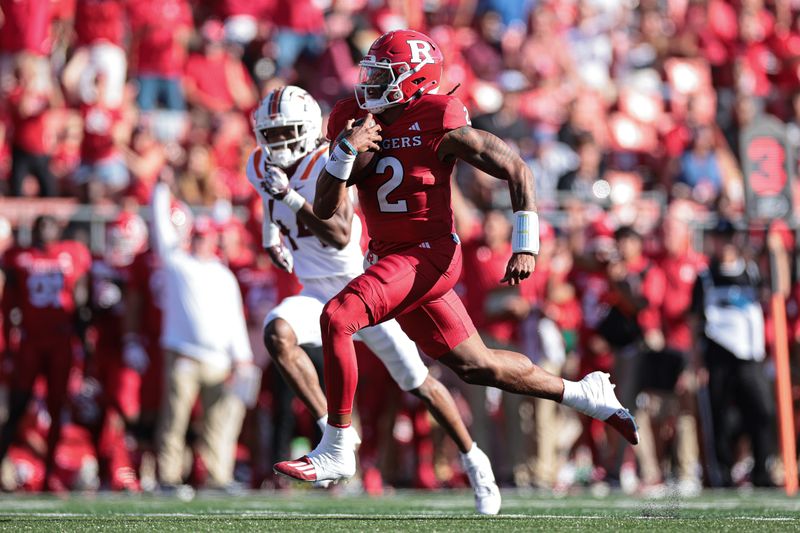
{"x":628,"y":112}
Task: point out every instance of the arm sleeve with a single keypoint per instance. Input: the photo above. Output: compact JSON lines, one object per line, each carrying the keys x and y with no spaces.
{"x":270,"y":233}
{"x":455,"y":115}
{"x":165,"y":236}
{"x":239,"y":349}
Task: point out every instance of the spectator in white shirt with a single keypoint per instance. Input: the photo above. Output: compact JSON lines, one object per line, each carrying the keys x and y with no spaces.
{"x":205,"y":341}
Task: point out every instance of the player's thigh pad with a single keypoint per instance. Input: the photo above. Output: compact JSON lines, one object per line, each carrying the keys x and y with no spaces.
{"x":439,"y":325}
{"x":302,"y":314}
{"x":397,"y":352}
{"x":402,"y":281}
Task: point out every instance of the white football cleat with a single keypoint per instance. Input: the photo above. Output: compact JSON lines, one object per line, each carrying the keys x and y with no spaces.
{"x":479,"y":470}
{"x":600,"y":402}
{"x":355,"y":439}
{"x":333,"y":459}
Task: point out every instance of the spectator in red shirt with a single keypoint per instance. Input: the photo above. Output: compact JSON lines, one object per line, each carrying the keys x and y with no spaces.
{"x":637,"y":288}
{"x":103,"y":172}
{"x":100,"y":30}
{"x":161,"y":29}
{"x":25,"y":26}
{"x":301,"y":27}
{"x":681,"y":266}
{"x":31,"y":144}
{"x":216,"y":79}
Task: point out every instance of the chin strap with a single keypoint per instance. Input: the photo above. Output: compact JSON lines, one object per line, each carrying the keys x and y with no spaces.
{"x":422,"y":90}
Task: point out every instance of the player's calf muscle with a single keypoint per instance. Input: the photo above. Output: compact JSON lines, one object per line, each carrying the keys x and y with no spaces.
{"x":279,"y":337}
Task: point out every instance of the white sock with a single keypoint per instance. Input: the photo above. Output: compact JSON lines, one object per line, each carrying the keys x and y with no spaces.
{"x":322,"y":422}
{"x":573,"y":393}
{"x":471,"y":453}
{"x":334,"y":440}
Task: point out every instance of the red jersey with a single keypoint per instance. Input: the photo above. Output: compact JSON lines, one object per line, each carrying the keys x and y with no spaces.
{"x":147,"y":279}
{"x":653,"y":286}
{"x":26,"y":26}
{"x":100,"y":20}
{"x":407,"y":201}
{"x":30,"y":132}
{"x":156,"y":50}
{"x":107,"y":288}
{"x":681,"y":274}
{"x":210,"y":75}
{"x":98,"y":125}
{"x":42,"y":282}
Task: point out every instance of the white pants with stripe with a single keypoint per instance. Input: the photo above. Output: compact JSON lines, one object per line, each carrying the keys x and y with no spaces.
{"x":386,"y":340}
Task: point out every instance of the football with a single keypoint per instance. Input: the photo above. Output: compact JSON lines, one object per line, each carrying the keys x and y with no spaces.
{"x":363,"y":167}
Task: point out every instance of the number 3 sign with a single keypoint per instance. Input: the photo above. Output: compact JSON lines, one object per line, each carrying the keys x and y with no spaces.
{"x":767,"y":170}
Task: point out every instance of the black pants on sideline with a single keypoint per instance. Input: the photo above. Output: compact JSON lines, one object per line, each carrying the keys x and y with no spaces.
{"x":24,"y":163}
{"x":741,"y":402}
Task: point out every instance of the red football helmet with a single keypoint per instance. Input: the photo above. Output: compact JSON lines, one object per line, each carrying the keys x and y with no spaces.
{"x":400,"y":66}
{"x":126,"y":236}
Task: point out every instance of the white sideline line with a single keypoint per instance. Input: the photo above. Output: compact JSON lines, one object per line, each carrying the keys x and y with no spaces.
{"x":311,"y":516}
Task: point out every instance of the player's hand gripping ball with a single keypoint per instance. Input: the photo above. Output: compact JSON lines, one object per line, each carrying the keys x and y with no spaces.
{"x":275,"y":182}
{"x":364,"y":135}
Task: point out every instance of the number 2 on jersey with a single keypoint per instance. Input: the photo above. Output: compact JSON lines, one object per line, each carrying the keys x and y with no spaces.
{"x":393,"y":183}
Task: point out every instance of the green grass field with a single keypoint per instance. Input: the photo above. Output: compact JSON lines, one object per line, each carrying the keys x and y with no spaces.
{"x":303,"y":510}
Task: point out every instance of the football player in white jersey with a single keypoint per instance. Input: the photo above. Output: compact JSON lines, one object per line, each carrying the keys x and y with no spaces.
{"x":325,"y":255}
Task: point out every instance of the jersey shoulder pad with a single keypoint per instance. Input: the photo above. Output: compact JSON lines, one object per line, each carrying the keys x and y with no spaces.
{"x":343,"y":111}
{"x":309,"y":168}
{"x":255,"y":166}
{"x":447,"y":111}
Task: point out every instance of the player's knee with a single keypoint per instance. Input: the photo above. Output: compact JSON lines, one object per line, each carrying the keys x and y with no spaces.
{"x":279,"y":338}
{"x":475,"y":371}
{"x":343,"y":315}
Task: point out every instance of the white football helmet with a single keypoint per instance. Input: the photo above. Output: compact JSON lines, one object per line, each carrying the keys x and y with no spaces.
{"x":288,"y":106}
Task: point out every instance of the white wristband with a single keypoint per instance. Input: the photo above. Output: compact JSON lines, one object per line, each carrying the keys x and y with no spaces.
{"x":294,"y":200}
{"x":340,"y":164}
{"x":271,"y":235}
{"x":525,"y":236}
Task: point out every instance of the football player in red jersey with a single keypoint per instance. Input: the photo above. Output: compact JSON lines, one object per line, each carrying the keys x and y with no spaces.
{"x":414,"y":253}
{"x":46,"y":284}
{"x":119,"y":376}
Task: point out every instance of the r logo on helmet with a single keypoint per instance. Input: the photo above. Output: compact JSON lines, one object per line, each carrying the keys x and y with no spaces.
{"x":420,"y":49}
